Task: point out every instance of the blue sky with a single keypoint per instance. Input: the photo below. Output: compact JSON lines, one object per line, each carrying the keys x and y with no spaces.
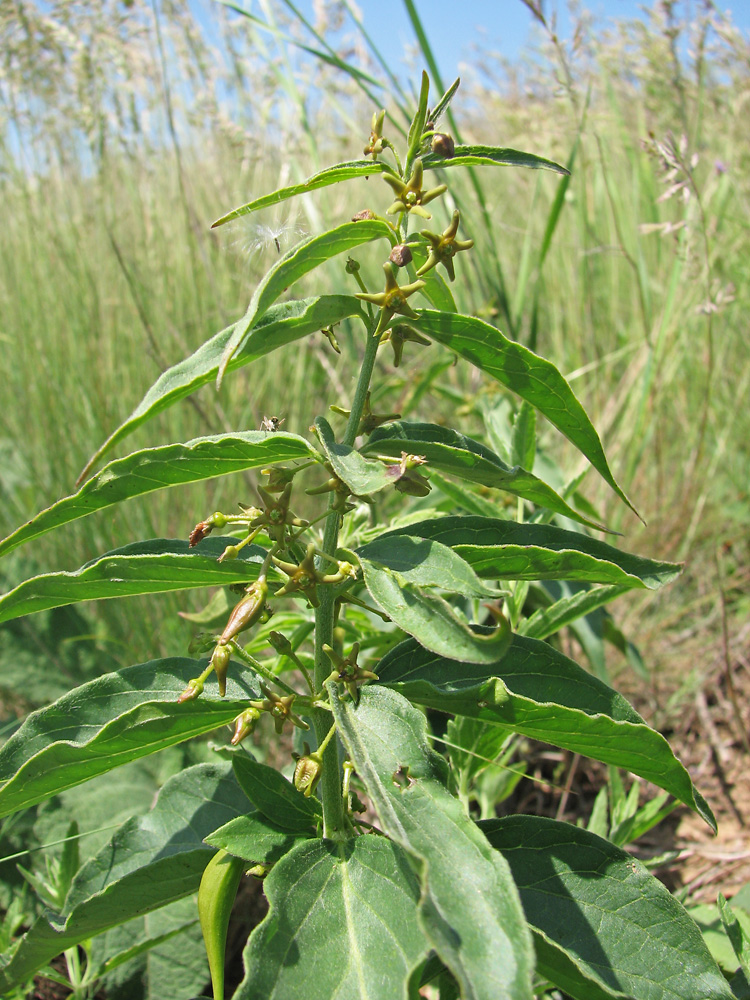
{"x":453,"y":26}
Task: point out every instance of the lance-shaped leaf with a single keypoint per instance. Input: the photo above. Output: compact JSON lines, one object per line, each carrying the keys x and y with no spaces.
{"x":360,"y":474}
{"x":274,"y":796}
{"x":400,"y":573}
{"x":497,"y":156}
{"x":532,"y":378}
{"x":110,"y":721}
{"x":469,"y":909}
{"x":507,"y":550}
{"x":324,"y":178}
{"x":255,"y":838}
{"x":603,"y":926}
{"x":149,"y":862}
{"x":457,"y":455}
{"x":342,"y":922}
{"x":158,"y":468}
{"x":293,"y":265}
{"x":567,"y":610}
{"x":152,"y":567}
{"x":417,"y":125}
{"x":538,"y":692}
{"x":282,"y":324}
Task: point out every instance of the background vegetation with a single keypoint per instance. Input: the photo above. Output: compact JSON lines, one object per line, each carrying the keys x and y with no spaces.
{"x":127,"y":127}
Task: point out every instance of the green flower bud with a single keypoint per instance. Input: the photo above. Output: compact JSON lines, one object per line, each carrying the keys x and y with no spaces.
{"x":280,"y":643}
{"x":220,"y":663}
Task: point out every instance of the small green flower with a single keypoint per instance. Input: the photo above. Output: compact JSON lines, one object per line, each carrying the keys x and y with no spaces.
{"x":376,"y":145}
{"x":398,"y":336}
{"x":410,"y":197}
{"x":444,"y":248}
{"x":347,"y":671}
{"x":393,"y":299}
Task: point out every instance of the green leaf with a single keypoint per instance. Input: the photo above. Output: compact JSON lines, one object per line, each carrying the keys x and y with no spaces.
{"x":331,"y":175}
{"x":547,"y":621}
{"x":478,"y":156}
{"x":255,"y":838}
{"x":469,"y":908}
{"x":110,"y":721}
{"x":538,"y":692}
{"x":141,"y":948}
{"x":523,"y":442}
{"x":293,"y":265}
{"x":359,"y":474}
{"x":416,"y":128}
{"x":399,"y":572}
{"x":152,"y":567}
{"x":736,"y":932}
{"x":532,"y":378}
{"x":275,"y":797}
{"x":158,"y":468}
{"x":149,"y":862}
{"x":506,"y":550}
{"x":281,"y":325}
{"x":603,"y":926}
{"x":176,"y":967}
{"x":457,"y":455}
{"x":426,"y":563}
{"x":342,"y":923}
{"x":437,"y":291}
{"x":444,"y":103}
{"x":473,"y":746}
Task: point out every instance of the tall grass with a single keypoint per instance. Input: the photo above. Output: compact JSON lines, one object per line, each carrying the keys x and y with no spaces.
{"x":113,"y":165}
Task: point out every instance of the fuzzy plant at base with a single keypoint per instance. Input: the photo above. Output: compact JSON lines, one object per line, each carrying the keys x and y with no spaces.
{"x":404,"y":613}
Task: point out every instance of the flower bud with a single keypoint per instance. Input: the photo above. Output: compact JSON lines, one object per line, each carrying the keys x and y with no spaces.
{"x":400,"y":255}
{"x":192,"y":691}
{"x":244,"y":724}
{"x":229,"y":553}
{"x":247,"y":612}
{"x":443,"y":145}
{"x":280,"y":643}
{"x":220,"y":663}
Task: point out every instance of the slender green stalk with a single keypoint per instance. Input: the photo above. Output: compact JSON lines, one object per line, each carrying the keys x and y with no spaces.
{"x":334,"y":825}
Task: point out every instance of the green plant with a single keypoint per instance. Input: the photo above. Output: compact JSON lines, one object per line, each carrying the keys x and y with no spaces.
{"x":365,"y":618}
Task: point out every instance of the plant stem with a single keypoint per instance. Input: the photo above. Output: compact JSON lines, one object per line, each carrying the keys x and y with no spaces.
{"x":334,"y":825}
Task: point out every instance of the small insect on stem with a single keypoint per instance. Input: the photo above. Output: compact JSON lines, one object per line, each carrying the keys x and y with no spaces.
{"x":271,"y":423}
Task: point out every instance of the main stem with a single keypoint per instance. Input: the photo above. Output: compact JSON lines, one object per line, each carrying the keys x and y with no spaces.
{"x":334,"y":826}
